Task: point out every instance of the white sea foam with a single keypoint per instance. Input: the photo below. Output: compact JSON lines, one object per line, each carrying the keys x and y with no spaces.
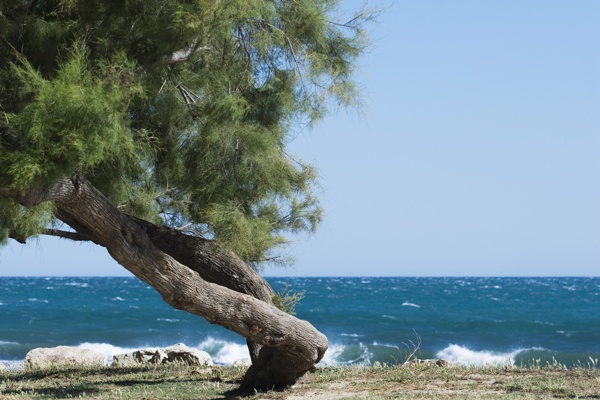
{"x":407,"y":304}
{"x":167,"y":319}
{"x":78,"y":284}
{"x":331,"y":355}
{"x":354,"y":335}
{"x":118,"y":299}
{"x":338,"y":355}
{"x":392,"y":346}
{"x":463,"y":356}
{"x":2,"y":342}
{"x":224,"y":352}
{"x":33,"y":299}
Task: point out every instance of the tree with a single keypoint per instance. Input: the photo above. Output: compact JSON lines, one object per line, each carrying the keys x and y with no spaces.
{"x":158,"y":129}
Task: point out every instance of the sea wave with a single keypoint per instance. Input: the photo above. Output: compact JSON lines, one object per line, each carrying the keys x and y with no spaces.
{"x":339,"y":354}
{"x":224,"y":352}
{"x":167,"y":319}
{"x":353,"y":335}
{"x":366,"y":354}
{"x":34,"y":299}
{"x":331,"y":354}
{"x":460,"y":355}
{"x":407,"y":304}
{"x":77,"y":284}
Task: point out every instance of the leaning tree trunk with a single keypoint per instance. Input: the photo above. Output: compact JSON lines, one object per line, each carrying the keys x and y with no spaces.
{"x":184,"y":274}
{"x":213,"y":262}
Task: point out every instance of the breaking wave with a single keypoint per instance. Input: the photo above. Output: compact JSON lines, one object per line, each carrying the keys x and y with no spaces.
{"x":456,"y":354}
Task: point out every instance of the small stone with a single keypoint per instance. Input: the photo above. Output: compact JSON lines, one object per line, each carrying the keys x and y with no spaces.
{"x":242,"y":362}
{"x":203,"y":371}
{"x":439,"y":363}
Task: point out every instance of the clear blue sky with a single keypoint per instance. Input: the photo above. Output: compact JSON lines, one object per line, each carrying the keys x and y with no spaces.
{"x":478,"y":152}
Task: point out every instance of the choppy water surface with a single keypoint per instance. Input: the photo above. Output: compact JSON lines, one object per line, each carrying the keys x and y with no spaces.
{"x":464,"y":320}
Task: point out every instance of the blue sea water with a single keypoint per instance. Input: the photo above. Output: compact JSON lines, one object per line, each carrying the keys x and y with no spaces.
{"x":472,"y":321}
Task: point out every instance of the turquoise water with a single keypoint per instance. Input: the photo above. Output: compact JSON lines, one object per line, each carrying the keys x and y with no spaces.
{"x":464,"y":320}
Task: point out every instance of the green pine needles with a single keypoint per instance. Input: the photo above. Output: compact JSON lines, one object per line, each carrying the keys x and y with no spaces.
{"x":179,"y":112}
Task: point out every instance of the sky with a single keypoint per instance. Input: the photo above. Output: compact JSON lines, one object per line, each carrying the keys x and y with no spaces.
{"x":476,"y":152}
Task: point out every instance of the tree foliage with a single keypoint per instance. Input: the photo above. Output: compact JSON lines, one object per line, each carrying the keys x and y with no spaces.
{"x":178,"y":111}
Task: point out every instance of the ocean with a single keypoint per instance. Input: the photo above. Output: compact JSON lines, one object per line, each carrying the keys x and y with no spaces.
{"x":469,"y":321}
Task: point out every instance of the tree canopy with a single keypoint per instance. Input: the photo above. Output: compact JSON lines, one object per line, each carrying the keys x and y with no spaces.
{"x":179,"y":112}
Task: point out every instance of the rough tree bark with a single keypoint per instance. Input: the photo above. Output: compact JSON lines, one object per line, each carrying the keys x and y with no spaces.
{"x":191,"y":274}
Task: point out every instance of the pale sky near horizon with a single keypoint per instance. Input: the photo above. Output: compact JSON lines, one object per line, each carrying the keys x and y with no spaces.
{"x":477,"y":153}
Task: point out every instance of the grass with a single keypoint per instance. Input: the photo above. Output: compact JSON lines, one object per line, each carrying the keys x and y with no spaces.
{"x":376,"y":382}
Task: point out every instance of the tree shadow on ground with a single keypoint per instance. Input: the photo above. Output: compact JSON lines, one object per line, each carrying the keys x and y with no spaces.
{"x":240,"y":393}
{"x":37,"y":374}
{"x":58,"y":392}
{"x":72,"y":383}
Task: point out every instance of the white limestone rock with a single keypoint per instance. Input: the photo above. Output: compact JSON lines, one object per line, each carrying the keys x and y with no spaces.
{"x":63,"y":357}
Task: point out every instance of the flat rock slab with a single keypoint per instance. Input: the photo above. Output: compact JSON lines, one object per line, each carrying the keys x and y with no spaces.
{"x":63,"y":357}
{"x":176,"y":354}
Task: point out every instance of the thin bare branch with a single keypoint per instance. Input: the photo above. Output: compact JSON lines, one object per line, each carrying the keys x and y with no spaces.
{"x":75,"y":236}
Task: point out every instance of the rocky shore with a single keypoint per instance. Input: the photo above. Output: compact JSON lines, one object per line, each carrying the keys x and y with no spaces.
{"x":76,"y":357}
{"x":177,"y":354}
